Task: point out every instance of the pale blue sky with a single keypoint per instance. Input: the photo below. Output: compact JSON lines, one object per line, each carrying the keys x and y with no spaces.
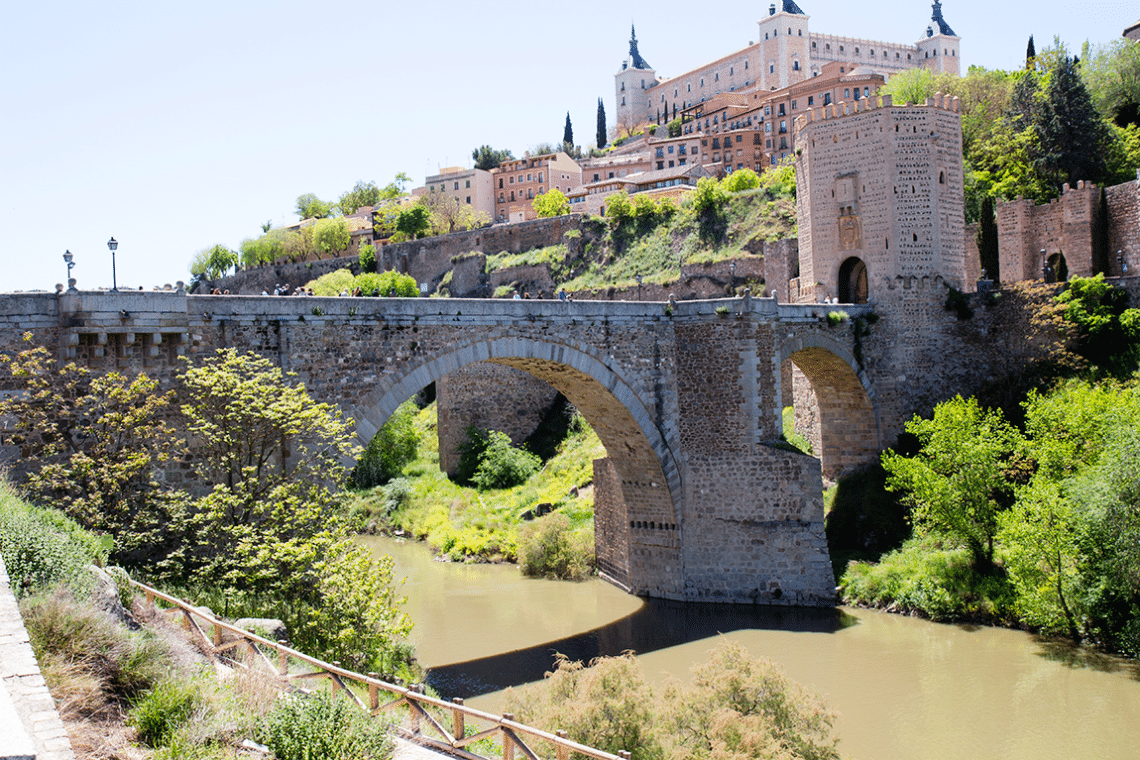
{"x":174,"y":127}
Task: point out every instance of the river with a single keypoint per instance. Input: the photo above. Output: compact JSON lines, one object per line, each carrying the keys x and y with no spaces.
{"x":904,"y":688}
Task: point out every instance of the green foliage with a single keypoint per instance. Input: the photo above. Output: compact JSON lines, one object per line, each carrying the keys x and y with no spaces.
{"x":390,"y":450}
{"x":1111,"y":73}
{"x":367,"y":258}
{"x":959,"y":303}
{"x":549,"y":547}
{"x":738,"y":707}
{"x":956,"y":484}
{"x":330,"y":236}
{"x":310,"y":206}
{"x":551,"y":203}
{"x":414,"y":220}
{"x":214,"y":262}
{"x":43,"y":548}
{"x":487,"y":158}
{"x":600,"y":139}
{"x":741,"y":180}
{"x":365,"y":194}
{"x":324,"y":725}
{"x":500,"y":464}
{"x":372,"y":283}
{"x":608,"y":705}
{"x":790,"y":435}
{"x":268,"y":248}
{"x":94,"y":443}
{"x":987,"y":240}
{"x":158,"y":713}
{"x":911,"y":86}
{"x":674,"y":127}
{"x":1072,"y":136}
{"x":1107,"y":331}
{"x":835,"y":318}
{"x":929,"y":577}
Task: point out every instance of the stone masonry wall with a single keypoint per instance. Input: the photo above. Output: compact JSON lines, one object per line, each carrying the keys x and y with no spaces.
{"x":491,"y":397}
{"x":1124,"y":227}
{"x":1064,"y":225}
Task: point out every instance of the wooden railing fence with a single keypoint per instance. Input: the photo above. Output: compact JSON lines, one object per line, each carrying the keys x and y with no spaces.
{"x":276,"y":659}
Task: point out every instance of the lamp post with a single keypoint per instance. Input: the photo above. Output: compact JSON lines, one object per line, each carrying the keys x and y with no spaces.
{"x":114,"y":246}
{"x":638,"y":278}
{"x":67,"y":257}
{"x":1123,"y":264}
{"x":1044,"y":266}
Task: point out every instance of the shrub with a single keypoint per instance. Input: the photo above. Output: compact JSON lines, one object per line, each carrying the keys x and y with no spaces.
{"x":837,"y":317}
{"x":43,"y":547}
{"x":502,"y":465}
{"x":324,"y":726}
{"x":158,"y":713}
{"x":367,"y":258}
{"x":550,"y":548}
{"x":390,"y":450}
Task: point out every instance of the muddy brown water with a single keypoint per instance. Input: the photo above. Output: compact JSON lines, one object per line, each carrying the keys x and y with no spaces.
{"x":904,"y":688}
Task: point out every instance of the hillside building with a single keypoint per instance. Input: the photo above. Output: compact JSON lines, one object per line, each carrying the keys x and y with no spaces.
{"x":786,"y":52}
{"x":470,"y":187}
{"x":516,"y":183}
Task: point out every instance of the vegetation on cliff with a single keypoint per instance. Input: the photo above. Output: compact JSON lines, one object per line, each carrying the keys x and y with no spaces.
{"x":1036,"y":523}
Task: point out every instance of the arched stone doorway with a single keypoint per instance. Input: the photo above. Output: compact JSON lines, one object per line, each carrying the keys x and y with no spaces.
{"x":852,"y":285}
{"x":637,"y":487}
{"x":1056,"y":268}
{"x":833,"y":407}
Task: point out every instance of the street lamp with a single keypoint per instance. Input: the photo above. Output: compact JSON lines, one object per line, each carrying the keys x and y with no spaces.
{"x":113,"y":245}
{"x":638,"y":278}
{"x":1044,"y":266}
{"x":68,"y":256}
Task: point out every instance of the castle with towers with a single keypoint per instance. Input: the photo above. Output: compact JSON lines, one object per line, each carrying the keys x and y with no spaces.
{"x":786,"y":53}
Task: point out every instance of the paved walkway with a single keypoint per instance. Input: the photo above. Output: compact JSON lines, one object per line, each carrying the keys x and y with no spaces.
{"x":30,"y":727}
{"x":406,"y":750}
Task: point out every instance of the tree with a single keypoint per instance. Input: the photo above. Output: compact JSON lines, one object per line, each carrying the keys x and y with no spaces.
{"x":362,"y":194}
{"x":551,"y":203}
{"x":95,"y":443}
{"x":602,"y":134}
{"x":956,"y":484}
{"x":310,"y":206}
{"x":987,"y":240}
{"x":266,"y":249}
{"x":910,"y":86}
{"x":487,"y":158}
{"x":414,"y":220}
{"x":674,"y":128}
{"x":1112,"y":74}
{"x":1030,"y":55}
{"x":330,"y":236}
{"x":392,"y":448}
{"x":214,"y":262}
{"x":448,"y":214}
{"x":568,"y":132}
{"x":741,"y":180}
{"x":395,"y":188}
{"x":1072,"y":139}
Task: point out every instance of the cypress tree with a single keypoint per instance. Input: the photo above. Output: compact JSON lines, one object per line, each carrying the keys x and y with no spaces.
{"x":1030,"y":55}
{"x":987,"y":239}
{"x":1072,"y":138}
{"x":568,"y":132}
{"x":602,"y":131}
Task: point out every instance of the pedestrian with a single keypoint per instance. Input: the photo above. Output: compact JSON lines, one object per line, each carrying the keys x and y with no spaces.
{"x":516,"y":296}
{"x":562,"y":294}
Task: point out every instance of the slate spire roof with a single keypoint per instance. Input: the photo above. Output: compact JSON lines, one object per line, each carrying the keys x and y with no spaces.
{"x":791,"y":7}
{"x":936,"y":17}
{"x":637,"y":61}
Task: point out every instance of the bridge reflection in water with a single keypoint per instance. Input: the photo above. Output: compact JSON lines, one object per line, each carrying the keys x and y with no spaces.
{"x":657,"y":624}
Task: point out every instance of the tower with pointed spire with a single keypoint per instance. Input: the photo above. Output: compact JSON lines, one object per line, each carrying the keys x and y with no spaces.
{"x":634,"y":56}
{"x":939,"y":48}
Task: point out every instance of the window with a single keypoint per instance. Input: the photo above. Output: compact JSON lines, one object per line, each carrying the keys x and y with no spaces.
{"x":681,"y":161}
{"x":623,"y":86}
{"x":767,"y":110}
{"x":674,"y":92}
{"x":512,"y":179}
{"x":702,"y":81}
{"x":468,"y":184}
{"x":623,"y":100}
{"x":771,"y":68}
{"x":793,"y":105}
{"x":795,"y":65}
{"x":716,"y":77}
{"x":740,"y":138}
{"x":730,"y":68}
{"x":456,"y":185}
{"x":540,"y":176}
{"x":660,"y":164}
{"x":595,"y":177}
{"x":768,"y":127}
{"x":500,"y":183}
{"x":811,"y":101}
{"x":500,"y":197}
{"x":670,"y":148}
{"x":716,"y":143}
{"x":846,"y":93}
{"x":469,"y":200}
{"x":783,"y":127}
{"x":512,"y":195}
{"x":611,"y":176}
{"x":782,"y":113}
{"x":827,"y":98}
{"x":670,"y":164}
{"x":529,"y":178}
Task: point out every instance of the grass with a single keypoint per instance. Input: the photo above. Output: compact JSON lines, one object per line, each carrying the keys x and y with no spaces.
{"x":466,"y":524}
{"x":934,"y":580}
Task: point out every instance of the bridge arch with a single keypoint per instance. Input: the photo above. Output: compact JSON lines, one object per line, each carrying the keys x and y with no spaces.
{"x":830,"y":380}
{"x":644,"y":459}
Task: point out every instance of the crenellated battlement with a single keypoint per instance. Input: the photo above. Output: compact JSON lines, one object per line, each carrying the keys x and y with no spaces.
{"x":839,"y":110}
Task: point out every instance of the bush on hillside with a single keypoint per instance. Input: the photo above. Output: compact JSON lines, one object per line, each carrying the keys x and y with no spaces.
{"x":324,"y":725}
{"x":43,"y":547}
{"x":502,"y":465}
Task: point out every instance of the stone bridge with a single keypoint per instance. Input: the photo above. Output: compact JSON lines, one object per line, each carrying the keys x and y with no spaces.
{"x":696,"y":498}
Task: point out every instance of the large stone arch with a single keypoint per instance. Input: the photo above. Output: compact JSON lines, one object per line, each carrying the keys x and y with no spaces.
{"x":848,"y":419}
{"x":644,"y":466}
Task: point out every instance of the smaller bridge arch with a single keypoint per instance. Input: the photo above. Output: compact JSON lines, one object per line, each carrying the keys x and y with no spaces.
{"x":830,"y":379}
